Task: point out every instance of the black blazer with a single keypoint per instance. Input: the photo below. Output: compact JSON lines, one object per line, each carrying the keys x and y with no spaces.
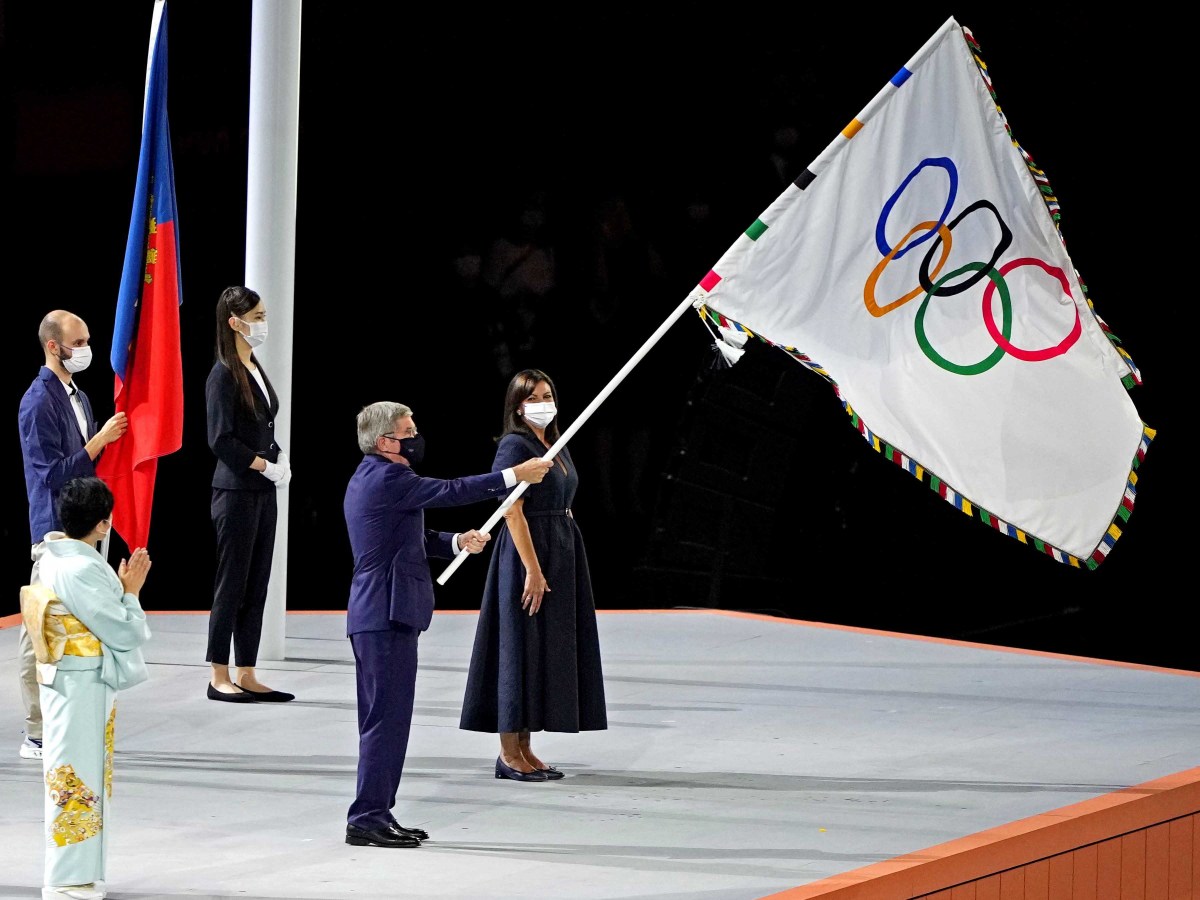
{"x":235,"y":434}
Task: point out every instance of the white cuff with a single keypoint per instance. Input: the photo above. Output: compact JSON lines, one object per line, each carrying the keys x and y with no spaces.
{"x":510,"y":478}
{"x":457,"y":546}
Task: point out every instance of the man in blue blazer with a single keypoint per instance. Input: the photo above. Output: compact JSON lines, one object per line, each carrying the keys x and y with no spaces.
{"x":59,"y":441}
{"x":391,"y":598}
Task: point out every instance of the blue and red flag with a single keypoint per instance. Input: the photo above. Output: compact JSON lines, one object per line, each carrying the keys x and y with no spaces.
{"x":146,"y":357}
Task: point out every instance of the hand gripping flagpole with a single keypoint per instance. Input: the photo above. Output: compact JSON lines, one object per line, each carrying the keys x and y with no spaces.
{"x":571,"y":429}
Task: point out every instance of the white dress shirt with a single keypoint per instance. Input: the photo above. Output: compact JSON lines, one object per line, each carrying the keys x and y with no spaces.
{"x":77,"y":405}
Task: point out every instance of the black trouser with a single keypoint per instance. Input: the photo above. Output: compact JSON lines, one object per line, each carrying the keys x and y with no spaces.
{"x":245,"y":526}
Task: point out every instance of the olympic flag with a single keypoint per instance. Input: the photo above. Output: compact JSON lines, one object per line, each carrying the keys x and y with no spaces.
{"x":146,"y":358}
{"x":918,"y":266}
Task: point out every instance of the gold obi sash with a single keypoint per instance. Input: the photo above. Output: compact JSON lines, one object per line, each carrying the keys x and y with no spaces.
{"x":54,"y":632}
{"x":67,"y":636}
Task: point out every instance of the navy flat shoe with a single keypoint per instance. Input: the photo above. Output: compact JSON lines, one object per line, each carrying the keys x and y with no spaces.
{"x":552,"y":773}
{"x":503,"y":770}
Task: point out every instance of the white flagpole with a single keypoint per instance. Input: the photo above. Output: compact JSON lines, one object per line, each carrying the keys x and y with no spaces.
{"x":271,"y":245}
{"x":572,"y":428}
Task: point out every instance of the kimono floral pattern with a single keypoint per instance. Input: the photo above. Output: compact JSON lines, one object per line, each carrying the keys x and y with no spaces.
{"x":81,"y":817}
{"x":108,"y":750}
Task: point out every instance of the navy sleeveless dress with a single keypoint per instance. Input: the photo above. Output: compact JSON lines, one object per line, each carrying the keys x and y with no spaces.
{"x":539,"y":672}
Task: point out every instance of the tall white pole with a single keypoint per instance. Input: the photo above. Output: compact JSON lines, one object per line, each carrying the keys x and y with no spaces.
{"x":274,"y":137}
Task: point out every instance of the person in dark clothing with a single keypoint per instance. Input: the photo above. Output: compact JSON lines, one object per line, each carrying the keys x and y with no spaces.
{"x":251,"y":467}
{"x":535,"y":664}
{"x":391,"y":598}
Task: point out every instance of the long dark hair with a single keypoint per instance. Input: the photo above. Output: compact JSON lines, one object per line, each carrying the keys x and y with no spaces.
{"x":518,"y":391}
{"x":236,"y":301}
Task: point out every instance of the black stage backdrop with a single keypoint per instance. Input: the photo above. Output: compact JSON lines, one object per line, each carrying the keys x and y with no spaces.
{"x":633,"y":150}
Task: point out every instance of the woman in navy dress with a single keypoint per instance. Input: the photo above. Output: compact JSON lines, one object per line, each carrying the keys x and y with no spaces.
{"x":535,"y":665}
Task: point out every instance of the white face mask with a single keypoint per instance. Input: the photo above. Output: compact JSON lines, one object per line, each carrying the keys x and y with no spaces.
{"x":80,"y":359}
{"x":258,"y":332}
{"x":540,"y":415}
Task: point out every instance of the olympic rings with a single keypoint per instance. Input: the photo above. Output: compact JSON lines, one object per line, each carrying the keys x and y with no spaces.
{"x":1000,"y":335}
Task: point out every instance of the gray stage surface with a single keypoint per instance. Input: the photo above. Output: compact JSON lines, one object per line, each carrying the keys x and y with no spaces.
{"x":744,"y":756}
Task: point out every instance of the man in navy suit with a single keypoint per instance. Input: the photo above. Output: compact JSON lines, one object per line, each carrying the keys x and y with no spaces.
{"x":391,"y":598}
{"x":59,"y":441}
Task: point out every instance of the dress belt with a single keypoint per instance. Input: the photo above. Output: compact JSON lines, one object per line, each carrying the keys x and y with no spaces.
{"x":547,"y":512}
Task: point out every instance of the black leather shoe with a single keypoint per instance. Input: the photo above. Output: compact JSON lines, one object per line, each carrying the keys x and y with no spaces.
{"x":239,"y":696}
{"x":268,"y":696}
{"x":379,"y":837}
{"x":552,"y":773}
{"x":419,"y":833}
{"x":504,"y":770}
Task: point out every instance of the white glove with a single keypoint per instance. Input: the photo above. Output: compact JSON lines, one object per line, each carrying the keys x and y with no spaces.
{"x":274,"y":472}
{"x":287,"y":470}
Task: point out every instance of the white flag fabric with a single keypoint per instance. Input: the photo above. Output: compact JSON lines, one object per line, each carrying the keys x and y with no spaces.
{"x":917,"y":264}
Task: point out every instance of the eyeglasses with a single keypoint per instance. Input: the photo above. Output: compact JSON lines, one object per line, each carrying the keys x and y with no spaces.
{"x":411,"y":433}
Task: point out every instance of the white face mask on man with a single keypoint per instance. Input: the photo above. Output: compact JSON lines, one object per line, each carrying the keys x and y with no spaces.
{"x":258,"y":332}
{"x":539,"y":415}
{"x":80,"y":359}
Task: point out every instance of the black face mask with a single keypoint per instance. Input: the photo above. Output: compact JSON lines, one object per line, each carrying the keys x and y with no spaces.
{"x":413,"y":448}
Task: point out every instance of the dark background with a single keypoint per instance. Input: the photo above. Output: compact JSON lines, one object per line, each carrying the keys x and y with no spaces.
{"x":424,"y":144}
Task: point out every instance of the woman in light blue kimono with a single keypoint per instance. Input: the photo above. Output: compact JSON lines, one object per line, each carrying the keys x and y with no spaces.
{"x":91,"y":628}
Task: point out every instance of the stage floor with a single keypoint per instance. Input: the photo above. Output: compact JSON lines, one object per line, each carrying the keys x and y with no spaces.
{"x":745,"y":755}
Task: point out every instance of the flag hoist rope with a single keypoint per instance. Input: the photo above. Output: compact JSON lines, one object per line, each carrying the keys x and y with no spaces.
{"x":569,"y":433}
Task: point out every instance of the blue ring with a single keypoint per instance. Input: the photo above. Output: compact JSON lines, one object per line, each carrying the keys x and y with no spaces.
{"x":881,"y":238}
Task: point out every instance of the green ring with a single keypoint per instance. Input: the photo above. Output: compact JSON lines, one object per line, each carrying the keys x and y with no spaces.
{"x":1005,"y":327}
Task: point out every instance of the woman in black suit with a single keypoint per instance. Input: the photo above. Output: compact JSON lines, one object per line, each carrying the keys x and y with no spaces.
{"x":242,"y":407}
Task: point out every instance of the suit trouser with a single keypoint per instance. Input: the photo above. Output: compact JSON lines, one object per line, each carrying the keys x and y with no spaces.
{"x":245,"y":526}
{"x":26,"y":664}
{"x":27,"y":669}
{"x":385,"y":671}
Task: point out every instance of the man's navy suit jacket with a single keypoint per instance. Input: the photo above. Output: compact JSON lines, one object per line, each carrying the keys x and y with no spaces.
{"x":385,"y":507}
{"x":52,"y":448}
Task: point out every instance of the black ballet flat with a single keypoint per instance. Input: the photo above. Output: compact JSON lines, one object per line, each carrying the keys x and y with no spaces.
{"x":504,"y":770}
{"x":552,"y":773}
{"x":268,"y":696}
{"x":240,"y":697}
